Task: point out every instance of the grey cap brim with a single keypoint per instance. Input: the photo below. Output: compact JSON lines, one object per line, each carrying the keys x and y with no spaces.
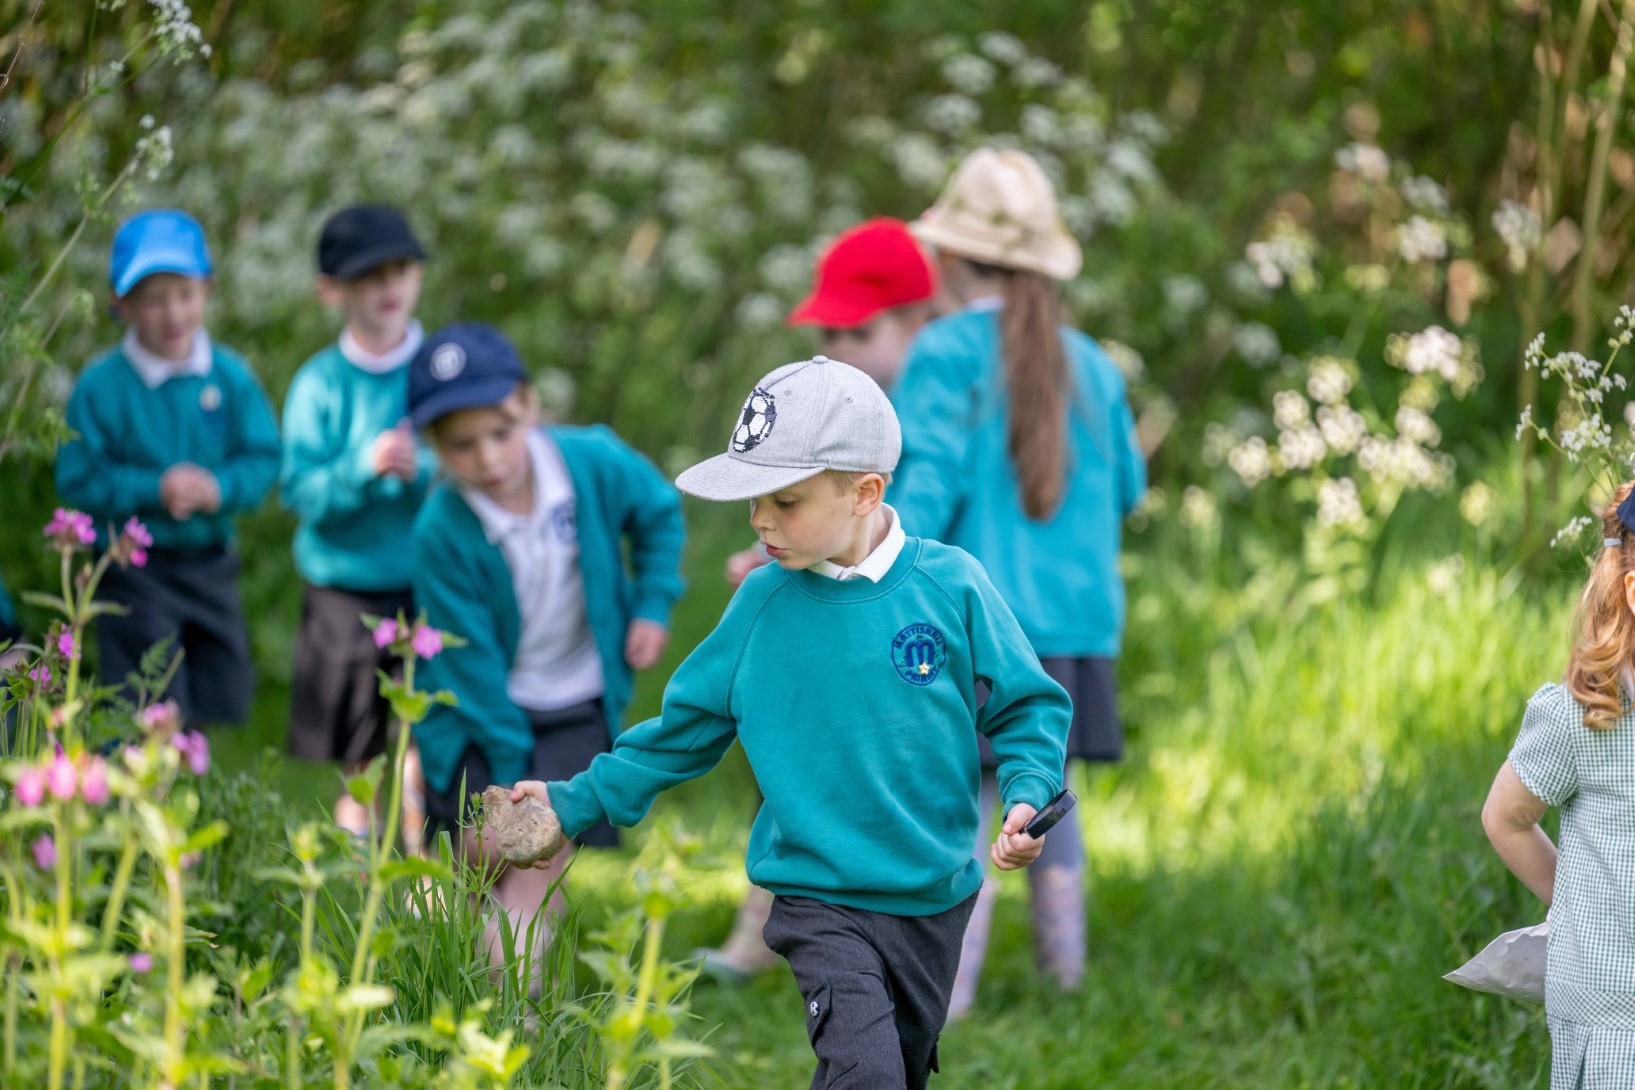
{"x":726,"y":478}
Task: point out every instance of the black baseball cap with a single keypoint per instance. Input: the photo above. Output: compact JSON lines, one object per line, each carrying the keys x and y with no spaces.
{"x":363,"y":237}
{"x":467,"y":365}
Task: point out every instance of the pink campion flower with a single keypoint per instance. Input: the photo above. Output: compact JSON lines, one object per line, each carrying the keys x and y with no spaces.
{"x":70,"y":528}
{"x":164,"y":716}
{"x":196,"y":748}
{"x":141,"y":962}
{"x":385,"y":632}
{"x":40,"y":675}
{"x":93,"y":782}
{"x":45,"y":852}
{"x":62,"y":778}
{"x":65,"y":644}
{"x":30,"y":790}
{"x":427,"y":642}
{"x":133,"y":544}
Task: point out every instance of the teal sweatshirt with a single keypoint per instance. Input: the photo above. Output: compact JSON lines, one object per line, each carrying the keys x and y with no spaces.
{"x":128,"y":435}
{"x":463,"y":583}
{"x":855,"y":703}
{"x":956,"y":481}
{"x":354,"y":524}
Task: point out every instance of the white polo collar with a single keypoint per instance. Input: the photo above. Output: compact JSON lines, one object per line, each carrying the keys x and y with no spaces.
{"x":498,"y":523}
{"x":154,"y":370}
{"x":874,"y":566}
{"x":986,"y":303}
{"x":390,"y":360}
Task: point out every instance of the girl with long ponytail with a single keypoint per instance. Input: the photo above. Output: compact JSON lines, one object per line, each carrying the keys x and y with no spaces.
{"x":1019,"y":447}
{"x":1576,"y":751}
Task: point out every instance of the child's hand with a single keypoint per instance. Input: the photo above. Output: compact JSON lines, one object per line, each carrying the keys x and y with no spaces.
{"x":392,"y":454}
{"x":523,"y":789}
{"x":208,"y":494}
{"x":1014,"y":849}
{"x":185,"y":488}
{"x":644,"y":643}
{"x":741,"y":563}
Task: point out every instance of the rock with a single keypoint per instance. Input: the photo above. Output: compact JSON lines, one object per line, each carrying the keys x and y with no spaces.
{"x":524,"y":832}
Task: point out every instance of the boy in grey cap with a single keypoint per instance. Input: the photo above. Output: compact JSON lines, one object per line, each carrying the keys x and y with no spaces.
{"x":849,"y":670}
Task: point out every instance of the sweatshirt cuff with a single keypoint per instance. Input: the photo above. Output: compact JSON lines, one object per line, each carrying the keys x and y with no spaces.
{"x":1032,"y":789}
{"x":576,"y":804}
{"x":653,"y":607}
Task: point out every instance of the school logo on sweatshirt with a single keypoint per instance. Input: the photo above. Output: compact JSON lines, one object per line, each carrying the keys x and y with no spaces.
{"x":562,"y":521}
{"x":760,"y":413}
{"x":918,"y":653}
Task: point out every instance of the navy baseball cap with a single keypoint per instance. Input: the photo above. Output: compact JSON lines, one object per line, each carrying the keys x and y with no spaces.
{"x":163,"y":240}
{"x":467,"y":365}
{"x":364,"y":237}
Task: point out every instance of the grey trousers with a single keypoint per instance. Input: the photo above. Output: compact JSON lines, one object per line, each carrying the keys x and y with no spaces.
{"x":875,"y":987}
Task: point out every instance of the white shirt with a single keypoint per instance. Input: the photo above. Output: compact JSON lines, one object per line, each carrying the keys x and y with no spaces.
{"x":556,"y":664}
{"x":154,"y":370}
{"x":389,"y":360}
{"x":874,"y":566}
{"x":985,"y":303}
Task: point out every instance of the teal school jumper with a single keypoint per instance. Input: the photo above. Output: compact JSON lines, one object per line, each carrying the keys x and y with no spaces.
{"x":128,"y":435}
{"x":956,"y":482}
{"x":355,"y":526}
{"x":855,"y":703}
{"x":463,"y":583}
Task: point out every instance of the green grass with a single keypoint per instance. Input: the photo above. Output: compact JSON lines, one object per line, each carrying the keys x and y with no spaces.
{"x":1281,"y":871}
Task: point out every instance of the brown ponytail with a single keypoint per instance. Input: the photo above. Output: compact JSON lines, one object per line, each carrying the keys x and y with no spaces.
{"x":1037,"y":378}
{"x":1604,"y":643}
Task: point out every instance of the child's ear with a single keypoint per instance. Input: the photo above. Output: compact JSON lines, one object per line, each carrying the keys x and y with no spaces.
{"x":1629,"y":590}
{"x":871,"y":489}
{"x":328,"y":290}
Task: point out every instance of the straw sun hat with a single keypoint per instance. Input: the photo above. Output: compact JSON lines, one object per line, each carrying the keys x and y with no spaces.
{"x":1000,"y":208}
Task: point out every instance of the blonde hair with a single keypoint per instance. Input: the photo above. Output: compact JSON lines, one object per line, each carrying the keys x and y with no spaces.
{"x":845,"y":480}
{"x":1604,"y":636}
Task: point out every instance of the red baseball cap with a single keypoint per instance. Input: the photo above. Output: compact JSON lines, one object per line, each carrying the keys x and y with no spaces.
{"x":874,"y":266}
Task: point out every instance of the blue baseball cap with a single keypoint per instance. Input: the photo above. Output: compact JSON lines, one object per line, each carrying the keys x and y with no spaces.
{"x":467,"y":365}
{"x":163,"y":240}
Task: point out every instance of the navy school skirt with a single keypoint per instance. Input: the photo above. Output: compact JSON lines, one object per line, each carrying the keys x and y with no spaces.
{"x":1097,"y":733}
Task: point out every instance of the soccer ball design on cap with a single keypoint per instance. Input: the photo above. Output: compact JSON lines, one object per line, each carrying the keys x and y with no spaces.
{"x":755,"y":424}
{"x":447,"y":362}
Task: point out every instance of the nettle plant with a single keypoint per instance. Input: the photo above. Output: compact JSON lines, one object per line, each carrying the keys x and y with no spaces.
{"x":1586,"y":429}
{"x":1344,"y":442}
{"x":106,"y":859}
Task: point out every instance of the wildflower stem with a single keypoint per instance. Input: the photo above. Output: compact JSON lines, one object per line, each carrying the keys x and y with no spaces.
{"x":59,"y":971}
{"x":116,"y":895}
{"x":363,"y":960}
{"x":176,"y":913}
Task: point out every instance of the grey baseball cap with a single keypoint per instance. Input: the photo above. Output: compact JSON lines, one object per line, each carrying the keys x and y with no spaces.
{"x":800,"y":420}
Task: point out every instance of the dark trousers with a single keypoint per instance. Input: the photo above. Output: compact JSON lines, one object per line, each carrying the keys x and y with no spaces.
{"x":875,"y":987}
{"x":190,"y":596}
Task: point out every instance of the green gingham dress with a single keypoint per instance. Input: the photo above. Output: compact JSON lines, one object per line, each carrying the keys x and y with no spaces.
{"x":1589,"y":980}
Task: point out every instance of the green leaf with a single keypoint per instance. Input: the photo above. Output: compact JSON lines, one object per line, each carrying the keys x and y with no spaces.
{"x":207,"y":837}
{"x":416,"y":867}
{"x":44,"y":601}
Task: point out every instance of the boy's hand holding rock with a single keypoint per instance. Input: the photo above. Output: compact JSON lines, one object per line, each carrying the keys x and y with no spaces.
{"x":524,"y":827}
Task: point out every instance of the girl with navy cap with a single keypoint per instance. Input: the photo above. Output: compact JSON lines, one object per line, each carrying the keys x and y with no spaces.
{"x":173,"y":429}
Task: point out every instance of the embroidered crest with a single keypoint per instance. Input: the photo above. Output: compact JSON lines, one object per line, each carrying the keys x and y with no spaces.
{"x":210,"y":397}
{"x":919,"y":652}
{"x":760,"y":413}
{"x":562,"y":521}
{"x":447,"y":362}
